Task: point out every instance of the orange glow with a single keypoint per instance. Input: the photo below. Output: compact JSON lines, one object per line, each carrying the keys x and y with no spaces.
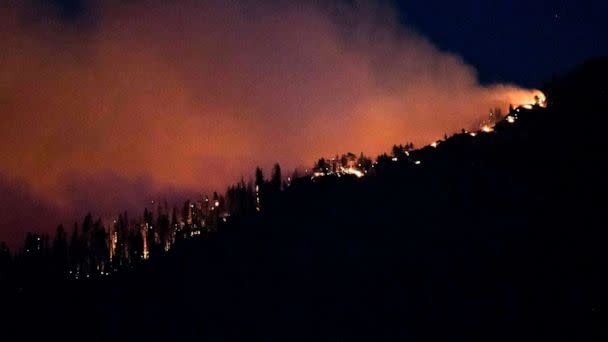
{"x":353,"y":171}
{"x":107,"y":119}
{"x":144,"y":235}
{"x":487,"y":129}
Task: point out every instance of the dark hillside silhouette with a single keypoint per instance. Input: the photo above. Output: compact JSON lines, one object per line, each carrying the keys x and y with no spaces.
{"x":495,"y":237}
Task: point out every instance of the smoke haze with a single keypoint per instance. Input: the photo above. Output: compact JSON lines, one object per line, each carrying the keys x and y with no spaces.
{"x":126,"y":102}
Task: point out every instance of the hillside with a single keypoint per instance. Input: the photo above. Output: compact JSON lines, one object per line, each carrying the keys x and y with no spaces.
{"x":497,"y":236}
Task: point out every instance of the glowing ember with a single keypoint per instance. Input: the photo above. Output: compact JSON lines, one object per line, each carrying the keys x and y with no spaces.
{"x":540,"y":99}
{"x":353,"y":171}
{"x":487,"y":129}
{"x":527,"y":98}
{"x":510,"y":119}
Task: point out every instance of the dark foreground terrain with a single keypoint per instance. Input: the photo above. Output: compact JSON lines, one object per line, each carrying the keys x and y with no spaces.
{"x":498,"y":237}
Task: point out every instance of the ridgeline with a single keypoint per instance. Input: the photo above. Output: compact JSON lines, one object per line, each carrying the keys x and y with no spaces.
{"x":496,"y":237}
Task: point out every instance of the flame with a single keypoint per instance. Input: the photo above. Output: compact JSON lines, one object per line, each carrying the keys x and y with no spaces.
{"x":522,"y":97}
{"x":540,"y":99}
{"x":353,"y":171}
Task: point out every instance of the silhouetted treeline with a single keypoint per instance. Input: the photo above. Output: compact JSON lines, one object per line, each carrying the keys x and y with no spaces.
{"x":92,"y":250}
{"x":490,"y":236}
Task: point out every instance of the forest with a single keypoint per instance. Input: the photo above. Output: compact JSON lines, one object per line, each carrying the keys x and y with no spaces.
{"x":483,"y":235}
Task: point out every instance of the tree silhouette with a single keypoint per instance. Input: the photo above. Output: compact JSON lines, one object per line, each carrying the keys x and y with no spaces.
{"x":60,"y":251}
{"x":135,"y":245}
{"x":259,"y":176}
{"x":363,"y":162}
{"x":5,"y":262}
{"x":175,"y":226}
{"x":398,"y":151}
{"x":99,"y":248}
{"x":75,"y":252}
{"x":164,"y":230}
{"x":275,"y":180}
{"x":259,"y":188}
{"x":321,"y":166}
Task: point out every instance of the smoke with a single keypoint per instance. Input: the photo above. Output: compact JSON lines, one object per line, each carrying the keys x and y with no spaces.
{"x":190,"y":96}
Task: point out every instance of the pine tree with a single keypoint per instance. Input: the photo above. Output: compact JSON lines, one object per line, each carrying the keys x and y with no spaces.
{"x":259,"y":189}
{"x":99,"y":248}
{"x":75,"y":257}
{"x":60,"y":251}
{"x":275,"y":180}
{"x":5,"y":262}
{"x":321,"y":166}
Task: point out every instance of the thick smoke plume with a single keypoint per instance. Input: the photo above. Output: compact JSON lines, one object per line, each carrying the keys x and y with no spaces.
{"x":130,"y":100}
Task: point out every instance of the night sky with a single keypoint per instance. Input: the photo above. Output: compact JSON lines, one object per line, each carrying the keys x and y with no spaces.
{"x":525,"y":42}
{"x":107,"y":105}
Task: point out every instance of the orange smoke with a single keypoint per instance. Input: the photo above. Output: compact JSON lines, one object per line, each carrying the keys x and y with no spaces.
{"x":159,"y":97}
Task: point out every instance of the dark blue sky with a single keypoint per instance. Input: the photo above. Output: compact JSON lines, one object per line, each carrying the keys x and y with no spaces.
{"x":519,"y":41}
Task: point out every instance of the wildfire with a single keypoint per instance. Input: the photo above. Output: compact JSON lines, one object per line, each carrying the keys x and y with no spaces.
{"x":353,"y":171}
{"x":487,"y":128}
{"x":523,"y":100}
{"x":144,"y":234}
{"x":526,"y":98}
{"x":540,"y":99}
